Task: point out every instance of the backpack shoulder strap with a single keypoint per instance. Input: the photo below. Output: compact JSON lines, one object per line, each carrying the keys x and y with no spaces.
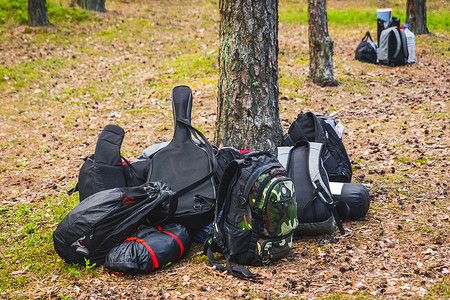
{"x":404,"y":43}
{"x":396,"y":32}
{"x":321,"y":189}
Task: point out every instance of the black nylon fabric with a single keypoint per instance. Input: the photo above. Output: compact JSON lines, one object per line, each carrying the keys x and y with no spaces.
{"x":104,"y":170}
{"x":104,"y":219}
{"x":241,"y":244}
{"x":338,"y":165}
{"x":396,"y":39}
{"x":314,"y":128}
{"x":109,"y":141}
{"x":382,"y":25}
{"x":357,"y":198}
{"x":310,"y":209}
{"x":133,"y":257}
{"x":365,"y":52}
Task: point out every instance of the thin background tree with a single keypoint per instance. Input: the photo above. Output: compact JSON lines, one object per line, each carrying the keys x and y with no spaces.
{"x":321,"y":69}
{"x":97,"y":5}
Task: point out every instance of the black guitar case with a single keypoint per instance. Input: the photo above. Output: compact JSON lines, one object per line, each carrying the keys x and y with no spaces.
{"x":187,"y":167}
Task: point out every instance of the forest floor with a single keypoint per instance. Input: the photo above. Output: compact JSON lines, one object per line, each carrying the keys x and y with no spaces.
{"x":60,"y":85}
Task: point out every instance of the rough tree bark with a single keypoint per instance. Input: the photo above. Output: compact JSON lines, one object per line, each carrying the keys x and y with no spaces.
{"x":416,"y":16}
{"x":97,"y":5}
{"x":37,"y":13}
{"x":321,"y":69}
{"x":248,"y":112}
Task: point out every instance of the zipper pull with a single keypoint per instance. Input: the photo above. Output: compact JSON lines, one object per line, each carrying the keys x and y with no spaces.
{"x":91,"y":235}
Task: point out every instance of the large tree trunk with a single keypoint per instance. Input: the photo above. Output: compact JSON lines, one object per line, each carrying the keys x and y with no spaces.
{"x":416,"y":16}
{"x":37,"y":13}
{"x":320,"y":45}
{"x":248,"y":113}
{"x":97,"y":5}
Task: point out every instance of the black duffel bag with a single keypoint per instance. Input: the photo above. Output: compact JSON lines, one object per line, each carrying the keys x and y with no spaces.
{"x":366,"y":51}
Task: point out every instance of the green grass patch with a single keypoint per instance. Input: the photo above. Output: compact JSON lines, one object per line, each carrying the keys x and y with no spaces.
{"x":16,"y":12}
{"x":187,"y":68}
{"x":26,"y":73}
{"x":141,"y":110}
{"x":352,"y":16}
{"x":26,"y":242}
{"x":58,"y":14}
{"x":409,"y":160}
{"x":437,"y":20}
{"x":290,"y":84}
{"x":441,"y":289}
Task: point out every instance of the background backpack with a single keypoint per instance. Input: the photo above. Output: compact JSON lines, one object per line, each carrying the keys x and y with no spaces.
{"x":259,"y":214}
{"x":186,"y":166}
{"x":366,"y":51}
{"x":316,"y":128}
{"x":316,"y":210}
{"x":393,"y":49}
{"x":149,"y":249}
{"x":105,"y":170}
{"x":105,"y":219}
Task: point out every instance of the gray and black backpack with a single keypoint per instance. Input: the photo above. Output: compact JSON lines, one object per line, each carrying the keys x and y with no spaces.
{"x":392,"y":50}
{"x":317,"y":211}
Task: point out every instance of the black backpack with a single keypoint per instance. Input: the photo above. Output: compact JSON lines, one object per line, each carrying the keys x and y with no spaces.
{"x":258,"y":214}
{"x":392,"y":50}
{"x":366,"y":51}
{"x":316,"y":210}
{"x":105,"y":170}
{"x":186,"y":166}
{"x":105,"y":219}
{"x":315,"y":128}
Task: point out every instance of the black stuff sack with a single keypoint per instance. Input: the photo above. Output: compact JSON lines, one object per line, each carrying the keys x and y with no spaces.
{"x":105,"y":219}
{"x":149,"y":249}
{"x":366,"y":51}
{"x":355,"y":195}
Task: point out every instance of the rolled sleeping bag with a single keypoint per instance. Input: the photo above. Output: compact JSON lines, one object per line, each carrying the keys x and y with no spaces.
{"x":355,"y":195}
{"x":149,"y":249}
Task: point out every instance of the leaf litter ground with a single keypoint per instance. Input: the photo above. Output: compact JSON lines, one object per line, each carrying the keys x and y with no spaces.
{"x":61,"y":85}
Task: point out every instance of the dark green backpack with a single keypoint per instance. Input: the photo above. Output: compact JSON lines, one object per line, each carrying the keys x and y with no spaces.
{"x":256,"y":214}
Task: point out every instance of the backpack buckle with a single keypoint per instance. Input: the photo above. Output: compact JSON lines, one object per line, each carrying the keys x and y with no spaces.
{"x":197,"y":205}
{"x":242,"y":199}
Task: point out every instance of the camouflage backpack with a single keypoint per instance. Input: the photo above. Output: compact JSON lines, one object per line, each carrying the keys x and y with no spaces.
{"x":256,"y":214}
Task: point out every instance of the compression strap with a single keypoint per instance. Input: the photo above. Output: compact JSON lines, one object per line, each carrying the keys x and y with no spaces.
{"x":176,"y":239}
{"x":152,"y":254}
